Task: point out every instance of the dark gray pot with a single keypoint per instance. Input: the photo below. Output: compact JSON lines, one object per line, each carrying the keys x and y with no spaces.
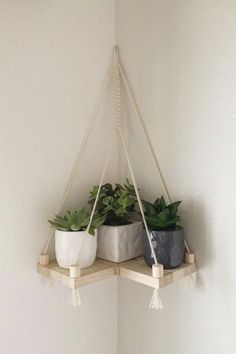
{"x":168,"y":247}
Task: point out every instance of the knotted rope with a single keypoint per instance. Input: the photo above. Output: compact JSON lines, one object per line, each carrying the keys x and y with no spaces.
{"x":140,"y":119}
{"x":78,"y":159}
{"x":162,"y":180}
{"x":74,"y":298}
{"x":155,"y":301}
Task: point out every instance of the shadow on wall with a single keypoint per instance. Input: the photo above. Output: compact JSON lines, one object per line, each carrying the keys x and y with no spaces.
{"x":198,"y":235}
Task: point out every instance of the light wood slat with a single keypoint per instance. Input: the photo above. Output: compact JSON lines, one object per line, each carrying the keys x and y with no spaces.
{"x":138,"y":271}
{"x":98,"y":271}
{"x":135,"y":269}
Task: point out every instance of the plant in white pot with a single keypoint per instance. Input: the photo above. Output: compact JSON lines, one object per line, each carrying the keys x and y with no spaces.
{"x":120,"y":236}
{"x":73,"y":243}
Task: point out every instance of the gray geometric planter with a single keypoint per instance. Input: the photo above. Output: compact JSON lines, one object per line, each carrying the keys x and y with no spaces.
{"x":168,"y":247}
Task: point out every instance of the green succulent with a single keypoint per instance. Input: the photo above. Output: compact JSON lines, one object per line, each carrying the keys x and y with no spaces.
{"x":77,"y":220}
{"x":160,"y":216}
{"x":116,"y":202}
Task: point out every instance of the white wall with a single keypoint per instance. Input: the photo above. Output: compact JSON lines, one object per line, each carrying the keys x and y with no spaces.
{"x":180,"y":56}
{"x":53,"y":58}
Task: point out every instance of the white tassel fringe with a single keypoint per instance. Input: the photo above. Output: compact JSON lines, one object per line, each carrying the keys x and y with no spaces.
{"x":189,"y":285}
{"x":74,"y":298}
{"x":155,"y":302}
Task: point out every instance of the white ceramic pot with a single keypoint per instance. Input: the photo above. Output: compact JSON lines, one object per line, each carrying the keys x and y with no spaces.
{"x":120,"y":243}
{"x":68,"y":245}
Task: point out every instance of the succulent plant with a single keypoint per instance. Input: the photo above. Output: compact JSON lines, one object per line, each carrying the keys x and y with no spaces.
{"x":77,"y":220}
{"x":116,"y":202}
{"x":160,"y":216}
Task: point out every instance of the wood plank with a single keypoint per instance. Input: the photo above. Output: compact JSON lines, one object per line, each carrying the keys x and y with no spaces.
{"x":138,"y":271}
{"x":98,"y":271}
{"x":135,"y":269}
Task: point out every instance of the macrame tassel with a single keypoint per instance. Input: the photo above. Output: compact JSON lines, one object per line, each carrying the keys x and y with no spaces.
{"x":189,"y":285}
{"x":74,"y":298}
{"x":155,"y":302}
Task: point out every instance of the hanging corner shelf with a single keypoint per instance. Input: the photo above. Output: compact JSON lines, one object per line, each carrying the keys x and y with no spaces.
{"x":135,"y":269}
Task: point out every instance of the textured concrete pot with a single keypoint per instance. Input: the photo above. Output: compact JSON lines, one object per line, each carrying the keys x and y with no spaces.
{"x":168,"y":246}
{"x":120,"y":243}
{"x":68,"y":245}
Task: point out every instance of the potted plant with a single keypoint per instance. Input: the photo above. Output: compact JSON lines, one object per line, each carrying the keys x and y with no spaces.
{"x":120,"y":236}
{"x":166,"y":232}
{"x":70,"y":236}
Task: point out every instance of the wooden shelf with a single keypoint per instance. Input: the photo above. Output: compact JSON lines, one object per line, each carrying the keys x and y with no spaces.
{"x":135,"y":269}
{"x":98,"y":271}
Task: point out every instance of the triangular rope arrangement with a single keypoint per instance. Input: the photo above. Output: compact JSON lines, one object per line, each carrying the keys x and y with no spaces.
{"x":75,"y":299}
{"x":116,"y":73}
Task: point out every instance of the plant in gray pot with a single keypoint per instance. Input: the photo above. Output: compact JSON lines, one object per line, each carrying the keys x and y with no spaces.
{"x":166,"y":232}
{"x":120,"y":236}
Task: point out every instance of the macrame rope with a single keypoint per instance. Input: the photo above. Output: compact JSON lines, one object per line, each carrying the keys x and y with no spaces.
{"x":136,"y":110}
{"x":117,"y":107}
{"x":117,"y":113}
{"x":137,"y":193}
{"x":95,"y":203}
{"x":155,"y":302}
{"x":74,"y":298}
{"x":99,"y":190}
{"x":138,"y":115}
{"x":77,"y":162}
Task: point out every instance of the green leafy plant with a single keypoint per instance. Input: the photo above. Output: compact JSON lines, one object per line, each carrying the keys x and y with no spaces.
{"x":116,"y":202}
{"x":160,"y":216}
{"x":77,"y":220}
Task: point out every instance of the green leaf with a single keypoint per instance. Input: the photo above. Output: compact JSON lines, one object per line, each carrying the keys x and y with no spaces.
{"x":107,"y":200}
{"x":59,"y":226}
{"x":108,"y":188}
{"x":91,"y":231}
{"x":173,"y":207}
{"x":159,"y":216}
{"x":75,"y":227}
{"x":149,"y":209}
{"x":160,"y":204}
{"x":112,"y":199}
{"x":120,"y":211}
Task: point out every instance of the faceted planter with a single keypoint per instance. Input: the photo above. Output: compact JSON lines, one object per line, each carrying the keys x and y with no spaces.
{"x":168,"y":247}
{"x":68,"y":245}
{"x":120,"y":243}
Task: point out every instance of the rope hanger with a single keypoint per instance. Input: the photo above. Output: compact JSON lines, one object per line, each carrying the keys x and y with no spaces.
{"x":78,"y":159}
{"x":116,"y":73}
{"x":120,"y":72}
{"x":157,"y":269}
